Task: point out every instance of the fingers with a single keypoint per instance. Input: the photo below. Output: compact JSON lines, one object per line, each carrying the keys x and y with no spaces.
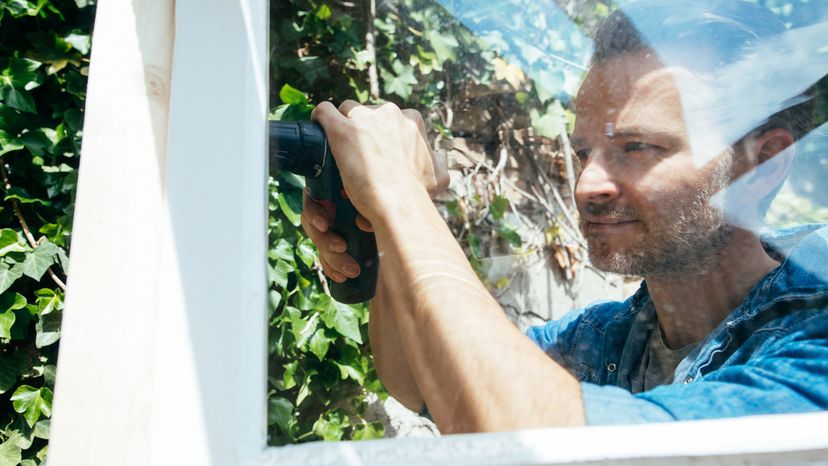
{"x":439,"y":162}
{"x":332,"y":247}
{"x":364,"y":224}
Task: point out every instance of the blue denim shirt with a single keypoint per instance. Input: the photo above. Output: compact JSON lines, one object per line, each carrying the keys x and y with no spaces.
{"x":770,"y":355}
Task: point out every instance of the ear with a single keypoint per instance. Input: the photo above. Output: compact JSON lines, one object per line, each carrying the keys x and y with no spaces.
{"x":767,"y":157}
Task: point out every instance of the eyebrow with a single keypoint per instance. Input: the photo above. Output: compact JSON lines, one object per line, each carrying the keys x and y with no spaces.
{"x":629,"y":132}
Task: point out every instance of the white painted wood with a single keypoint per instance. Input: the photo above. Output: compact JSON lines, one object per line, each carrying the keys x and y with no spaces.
{"x":103,"y":398}
{"x":163,"y":355}
{"x":211,"y":348}
{"x":760,"y":440}
{"x":163,"y":352}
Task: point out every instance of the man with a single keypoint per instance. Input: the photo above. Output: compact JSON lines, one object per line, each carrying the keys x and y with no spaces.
{"x":720,"y":327}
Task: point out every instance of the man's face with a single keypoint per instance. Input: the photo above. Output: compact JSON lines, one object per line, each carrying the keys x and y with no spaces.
{"x":645,"y":207}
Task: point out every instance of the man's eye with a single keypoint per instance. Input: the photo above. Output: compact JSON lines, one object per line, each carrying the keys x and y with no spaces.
{"x":582,"y":154}
{"x":636,"y":146}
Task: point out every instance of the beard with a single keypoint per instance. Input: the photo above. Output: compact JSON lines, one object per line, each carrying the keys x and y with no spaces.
{"x":686,"y":235}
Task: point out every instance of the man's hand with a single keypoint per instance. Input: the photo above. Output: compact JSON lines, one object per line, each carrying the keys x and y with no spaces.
{"x":382,"y":154}
{"x":430,"y":173}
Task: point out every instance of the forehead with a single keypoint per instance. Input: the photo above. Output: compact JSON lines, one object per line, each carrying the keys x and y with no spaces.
{"x":631,"y":91}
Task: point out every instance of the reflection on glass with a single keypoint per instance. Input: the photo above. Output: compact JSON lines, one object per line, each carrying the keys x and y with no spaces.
{"x":657,"y":167}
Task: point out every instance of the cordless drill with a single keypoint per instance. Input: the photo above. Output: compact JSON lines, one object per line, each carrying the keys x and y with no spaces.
{"x":301,"y":147}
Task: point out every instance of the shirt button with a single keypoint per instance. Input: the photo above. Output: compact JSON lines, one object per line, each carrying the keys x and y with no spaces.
{"x":688,"y":379}
{"x":611,"y":367}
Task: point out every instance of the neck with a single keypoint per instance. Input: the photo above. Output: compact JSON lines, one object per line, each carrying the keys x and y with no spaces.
{"x":690,"y":304}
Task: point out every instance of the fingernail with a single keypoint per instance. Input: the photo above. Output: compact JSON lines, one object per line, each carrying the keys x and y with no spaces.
{"x":351,"y":270}
{"x":337,"y":246}
{"x":319,"y":223}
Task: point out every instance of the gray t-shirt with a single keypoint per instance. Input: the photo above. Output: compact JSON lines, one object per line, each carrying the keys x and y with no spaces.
{"x":657,"y":364}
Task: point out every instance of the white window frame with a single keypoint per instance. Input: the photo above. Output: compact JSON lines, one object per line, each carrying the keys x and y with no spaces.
{"x":163,"y":354}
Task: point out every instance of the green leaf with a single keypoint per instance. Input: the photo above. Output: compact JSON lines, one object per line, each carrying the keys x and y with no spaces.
{"x":8,"y":275}
{"x":48,"y":329}
{"x":368,"y":431}
{"x":282,"y":250}
{"x":306,"y":252}
{"x":16,"y":192}
{"x":498,"y":207}
{"x":279,"y":412}
{"x":42,"y":429}
{"x":349,"y":370}
{"x":10,"y":453}
{"x":80,"y":42}
{"x":510,"y":235}
{"x":303,"y":328}
{"x":32,"y":403}
{"x":323,"y":12}
{"x":331,"y":425}
{"x":292,"y":96}
{"x":11,"y":366}
{"x":12,"y":301}
{"x":289,"y":377}
{"x":16,"y":79}
{"x":401,"y":81}
{"x":292,"y":213}
{"x":278,"y":274}
{"x":39,"y":260}
{"x":10,"y":242}
{"x":319,"y":344}
{"x":6,"y":321}
{"x":340,"y":317}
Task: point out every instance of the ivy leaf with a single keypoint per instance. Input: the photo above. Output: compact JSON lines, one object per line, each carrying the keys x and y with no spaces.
{"x":292,"y":96}
{"x":16,"y":79}
{"x":23,"y":196}
{"x":278,"y":274}
{"x":282,"y":250}
{"x":349,"y":370}
{"x":291,"y":212}
{"x":510,"y":235}
{"x":444,"y":45}
{"x":498,"y":207}
{"x":10,"y":453}
{"x":319,"y":344}
{"x":279,"y":412}
{"x":401,"y":81}
{"x":39,"y":260}
{"x":32,"y":403}
{"x":48,"y":329}
{"x":80,"y":42}
{"x":368,"y":431}
{"x":42,"y":429}
{"x":10,"y":242}
{"x":289,"y":377}
{"x":11,"y":366}
{"x":303,"y":328}
{"x":8,"y":275}
{"x":341,"y":317}
{"x":306,"y":252}
{"x":331,"y":425}
{"x":7,"y":319}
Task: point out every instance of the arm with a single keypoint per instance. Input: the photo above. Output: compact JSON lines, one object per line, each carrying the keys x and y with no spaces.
{"x":475,"y":370}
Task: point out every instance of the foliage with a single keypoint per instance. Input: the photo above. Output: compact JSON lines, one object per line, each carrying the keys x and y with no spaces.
{"x":319,"y":363}
{"x":44,"y":49}
{"x":427,"y":57}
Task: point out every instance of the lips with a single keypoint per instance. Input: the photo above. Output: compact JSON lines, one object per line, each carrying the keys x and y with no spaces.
{"x":596,"y":220}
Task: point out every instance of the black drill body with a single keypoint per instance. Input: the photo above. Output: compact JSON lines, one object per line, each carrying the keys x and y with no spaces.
{"x":302,"y":148}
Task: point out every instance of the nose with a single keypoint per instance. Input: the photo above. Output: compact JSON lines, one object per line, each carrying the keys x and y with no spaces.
{"x":596,"y":183}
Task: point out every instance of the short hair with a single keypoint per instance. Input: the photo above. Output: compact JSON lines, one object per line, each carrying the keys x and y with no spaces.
{"x":726,"y":29}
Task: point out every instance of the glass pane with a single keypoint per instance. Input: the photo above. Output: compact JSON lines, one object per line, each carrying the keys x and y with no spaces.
{"x":638,"y":187}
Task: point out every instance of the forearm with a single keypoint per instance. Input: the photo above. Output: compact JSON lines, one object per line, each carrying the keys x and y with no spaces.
{"x":389,"y":359}
{"x":475,"y":370}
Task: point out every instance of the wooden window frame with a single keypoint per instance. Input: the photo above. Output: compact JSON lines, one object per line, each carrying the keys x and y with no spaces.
{"x":163,"y":355}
